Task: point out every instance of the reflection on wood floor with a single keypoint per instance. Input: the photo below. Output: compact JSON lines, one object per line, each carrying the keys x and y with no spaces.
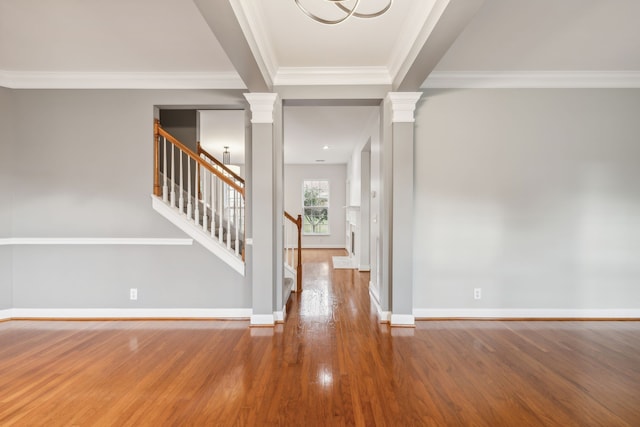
{"x":330,"y":364}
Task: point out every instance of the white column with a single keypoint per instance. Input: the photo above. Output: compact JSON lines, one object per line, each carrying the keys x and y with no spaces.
{"x":399,"y":198}
{"x":262,"y":252}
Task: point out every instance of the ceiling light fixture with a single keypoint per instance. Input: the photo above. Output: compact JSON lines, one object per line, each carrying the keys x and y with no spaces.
{"x":348,"y":11}
{"x":226,"y":156}
{"x":326,"y":147}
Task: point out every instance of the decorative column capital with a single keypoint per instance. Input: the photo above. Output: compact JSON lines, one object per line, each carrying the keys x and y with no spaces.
{"x":403,"y":104}
{"x":261,"y":106}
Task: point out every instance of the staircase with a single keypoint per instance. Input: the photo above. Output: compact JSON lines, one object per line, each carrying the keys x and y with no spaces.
{"x":205,"y":199}
{"x":201,"y":196}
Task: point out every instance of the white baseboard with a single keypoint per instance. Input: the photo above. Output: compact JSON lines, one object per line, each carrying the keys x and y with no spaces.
{"x":262,"y":320}
{"x":131,"y":313}
{"x":403,"y":320}
{"x":280,"y":316}
{"x":5,"y":314}
{"x":322,"y":247}
{"x":524,"y":313}
{"x":95,"y":241}
{"x":374,"y":293}
{"x":383,"y":316}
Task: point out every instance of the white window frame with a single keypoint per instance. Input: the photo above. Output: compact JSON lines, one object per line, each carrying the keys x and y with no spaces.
{"x":311,"y":233}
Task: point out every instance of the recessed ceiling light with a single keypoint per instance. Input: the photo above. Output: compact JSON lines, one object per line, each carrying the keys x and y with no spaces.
{"x":319,"y":161}
{"x":326,"y":147}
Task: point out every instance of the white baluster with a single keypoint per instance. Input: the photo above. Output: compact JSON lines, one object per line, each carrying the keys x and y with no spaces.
{"x":196,"y":195}
{"x":235,"y":221}
{"x":229,"y":219}
{"x":173,"y":177}
{"x":165,"y":188}
{"x":181,"y":198}
{"x":213,"y":205}
{"x":204,"y":199}
{"x":286,"y":241}
{"x":189,"y":204}
{"x":221,"y":189}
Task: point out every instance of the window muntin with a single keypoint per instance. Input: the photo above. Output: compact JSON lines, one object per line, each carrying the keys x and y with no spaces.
{"x":315,"y":217}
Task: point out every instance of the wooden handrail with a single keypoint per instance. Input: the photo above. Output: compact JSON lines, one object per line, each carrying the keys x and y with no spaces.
{"x":219,"y":163}
{"x":159,"y":131}
{"x":298,"y":222}
{"x":290,"y":217}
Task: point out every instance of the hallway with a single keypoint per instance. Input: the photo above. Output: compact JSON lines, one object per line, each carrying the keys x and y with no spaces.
{"x":330,"y":364}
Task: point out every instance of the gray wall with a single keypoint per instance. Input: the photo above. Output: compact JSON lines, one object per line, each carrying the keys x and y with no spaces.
{"x":294,"y":175}
{"x":182,"y":124}
{"x":67,"y":143}
{"x":6,"y":183}
{"x":532,"y":195}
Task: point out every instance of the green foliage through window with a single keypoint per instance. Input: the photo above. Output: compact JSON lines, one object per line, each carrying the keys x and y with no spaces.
{"x":316,"y":207}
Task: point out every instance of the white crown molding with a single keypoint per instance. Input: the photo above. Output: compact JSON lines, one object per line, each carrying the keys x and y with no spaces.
{"x":413,"y":37}
{"x":261,"y":105}
{"x":128,"y":313}
{"x":319,"y":76}
{"x":117,"y":80}
{"x":403,"y":105}
{"x":94,"y":241}
{"x":525,"y":313}
{"x":253,"y":27}
{"x":532,"y":79}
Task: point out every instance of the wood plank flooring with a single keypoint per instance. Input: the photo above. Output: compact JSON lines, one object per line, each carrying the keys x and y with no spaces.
{"x":331,"y":364}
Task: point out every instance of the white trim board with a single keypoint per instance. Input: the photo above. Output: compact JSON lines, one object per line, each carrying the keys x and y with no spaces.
{"x":524,"y":313}
{"x":179,"y":219}
{"x":323,"y":247}
{"x":95,"y":241}
{"x":383,"y":316}
{"x":5,"y":314}
{"x":115,"y":80}
{"x":263,"y":319}
{"x":406,"y":320}
{"x":130,"y":313}
{"x":531,"y":79}
{"x":293,"y":76}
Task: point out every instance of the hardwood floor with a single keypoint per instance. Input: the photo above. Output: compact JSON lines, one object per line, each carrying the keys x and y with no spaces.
{"x":331,"y":364}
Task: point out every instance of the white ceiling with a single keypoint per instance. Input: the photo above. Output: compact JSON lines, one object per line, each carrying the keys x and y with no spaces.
{"x":171,"y":36}
{"x":307,"y":129}
{"x":295,"y":49}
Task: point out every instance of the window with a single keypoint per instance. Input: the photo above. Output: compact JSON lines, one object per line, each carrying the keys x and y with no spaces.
{"x":315,"y":219}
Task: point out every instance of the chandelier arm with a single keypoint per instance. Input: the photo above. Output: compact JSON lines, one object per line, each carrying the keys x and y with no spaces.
{"x":365,"y":15}
{"x":327,"y":21}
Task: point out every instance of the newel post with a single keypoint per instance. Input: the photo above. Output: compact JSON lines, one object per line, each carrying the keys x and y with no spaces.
{"x":299,"y":265}
{"x":156,"y":159}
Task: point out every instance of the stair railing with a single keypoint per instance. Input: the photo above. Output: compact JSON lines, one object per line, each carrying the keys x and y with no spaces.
{"x":205,"y":195}
{"x":219,"y":165}
{"x":293,"y":246}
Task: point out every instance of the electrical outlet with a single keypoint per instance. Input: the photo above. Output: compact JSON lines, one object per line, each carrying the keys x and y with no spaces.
{"x":133,"y":294}
{"x":477,"y":293}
